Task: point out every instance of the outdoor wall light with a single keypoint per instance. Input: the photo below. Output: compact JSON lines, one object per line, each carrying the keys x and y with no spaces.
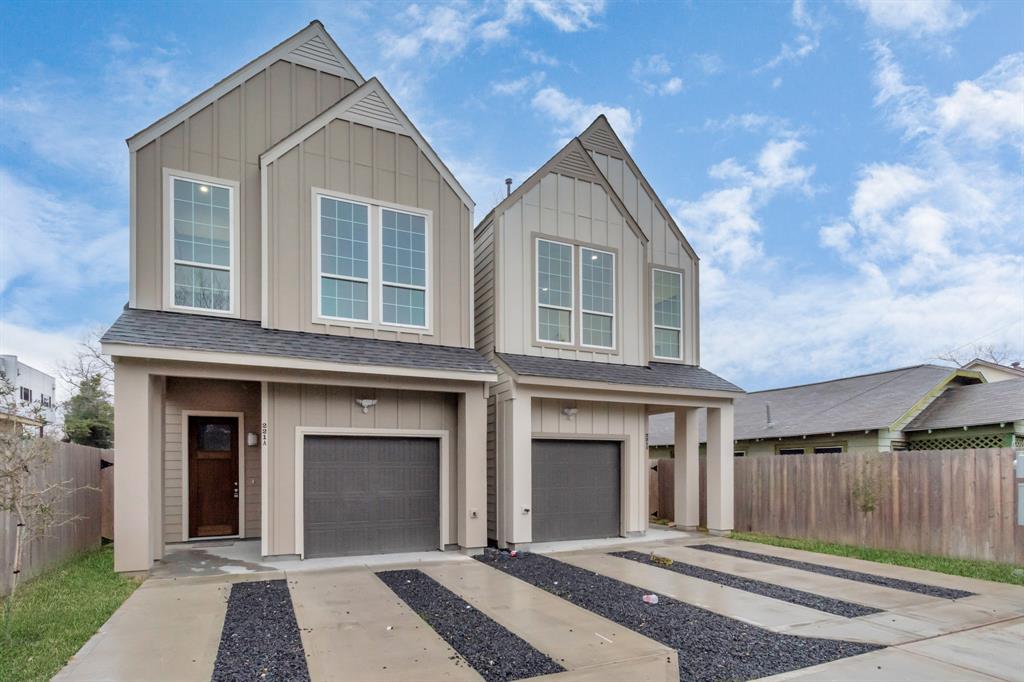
{"x":251,"y":439}
{"x":569,"y":412}
{"x":365,"y":403}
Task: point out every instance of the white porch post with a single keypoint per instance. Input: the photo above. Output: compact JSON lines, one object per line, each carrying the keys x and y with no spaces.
{"x":518,"y":469}
{"x":136,"y":469}
{"x":472,"y":469}
{"x":686,"y":475}
{"x":720,"y":462}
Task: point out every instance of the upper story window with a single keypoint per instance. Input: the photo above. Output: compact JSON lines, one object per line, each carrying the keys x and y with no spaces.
{"x":597,"y":298}
{"x":202,"y":220}
{"x":344,"y":259}
{"x":554,"y":292}
{"x":403,"y":268}
{"x":668,"y":313}
{"x":26,"y":394}
{"x":369,"y":253}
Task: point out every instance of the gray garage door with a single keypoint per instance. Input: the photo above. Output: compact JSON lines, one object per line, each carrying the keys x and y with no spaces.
{"x":575,"y":489}
{"x":370,"y":495}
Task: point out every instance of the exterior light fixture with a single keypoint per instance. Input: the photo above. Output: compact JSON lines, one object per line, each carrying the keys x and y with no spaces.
{"x":569,"y":412}
{"x":204,"y":189}
{"x":365,"y":403}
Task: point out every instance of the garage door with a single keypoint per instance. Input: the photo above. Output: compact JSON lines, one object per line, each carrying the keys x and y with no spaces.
{"x":370,"y":495}
{"x":575,"y":489}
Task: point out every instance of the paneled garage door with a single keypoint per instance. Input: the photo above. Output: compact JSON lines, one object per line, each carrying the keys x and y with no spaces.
{"x":370,"y":495}
{"x":575,"y":489}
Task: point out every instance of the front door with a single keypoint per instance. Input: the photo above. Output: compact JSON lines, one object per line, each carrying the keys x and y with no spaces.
{"x":212,"y":476}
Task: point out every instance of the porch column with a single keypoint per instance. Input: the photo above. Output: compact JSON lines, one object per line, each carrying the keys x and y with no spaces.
{"x":517,"y":466}
{"x":686,"y":474}
{"x":472,"y":469}
{"x":720,"y":461}
{"x":137,"y":478}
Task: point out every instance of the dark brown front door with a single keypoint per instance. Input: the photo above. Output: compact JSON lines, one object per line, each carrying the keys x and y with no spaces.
{"x":212,"y":476}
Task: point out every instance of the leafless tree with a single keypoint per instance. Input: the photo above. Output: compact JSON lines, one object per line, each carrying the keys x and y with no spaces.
{"x":999,"y":354}
{"x":88,"y":361}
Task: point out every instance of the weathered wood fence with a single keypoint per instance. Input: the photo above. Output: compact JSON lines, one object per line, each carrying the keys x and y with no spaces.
{"x":80,"y":465}
{"x":956,"y":503}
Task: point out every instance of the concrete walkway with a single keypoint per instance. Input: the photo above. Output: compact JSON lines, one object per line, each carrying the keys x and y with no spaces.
{"x":353,"y":626}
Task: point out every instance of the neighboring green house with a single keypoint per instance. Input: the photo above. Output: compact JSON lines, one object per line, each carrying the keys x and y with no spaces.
{"x":925,"y":407}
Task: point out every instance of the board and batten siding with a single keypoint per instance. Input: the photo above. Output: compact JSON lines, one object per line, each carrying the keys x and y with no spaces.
{"x":664,"y":246}
{"x":567,"y":208}
{"x":197,"y":395}
{"x":377,"y":165}
{"x":310,"y":405}
{"x":484,"y":295}
{"x":224,"y":140}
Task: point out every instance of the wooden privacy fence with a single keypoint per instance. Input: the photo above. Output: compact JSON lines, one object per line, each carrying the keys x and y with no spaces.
{"x":956,"y":503}
{"x":80,"y":465}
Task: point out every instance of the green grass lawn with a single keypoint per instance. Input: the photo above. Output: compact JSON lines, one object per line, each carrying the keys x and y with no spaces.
{"x":984,"y":570}
{"x":57,"y":611}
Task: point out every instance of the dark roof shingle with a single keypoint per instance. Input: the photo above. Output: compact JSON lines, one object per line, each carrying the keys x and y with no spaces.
{"x":660,"y":374}
{"x":974,"y":405}
{"x":183,"y":331}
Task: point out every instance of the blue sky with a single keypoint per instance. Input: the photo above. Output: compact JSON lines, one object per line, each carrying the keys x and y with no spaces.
{"x":848,"y":172}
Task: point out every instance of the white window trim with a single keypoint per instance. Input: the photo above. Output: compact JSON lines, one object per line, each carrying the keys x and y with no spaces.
{"x":233,"y":231}
{"x":599,"y":313}
{"x":537,"y":305}
{"x":655,"y":326}
{"x":375,"y":294}
{"x":426,"y":266}
{"x":317,"y":264}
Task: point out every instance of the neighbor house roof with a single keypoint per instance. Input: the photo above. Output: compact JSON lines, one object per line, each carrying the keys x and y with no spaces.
{"x":658,"y":374}
{"x":1009,"y":369}
{"x":973,"y":405}
{"x":867,"y":401}
{"x":182,"y":331}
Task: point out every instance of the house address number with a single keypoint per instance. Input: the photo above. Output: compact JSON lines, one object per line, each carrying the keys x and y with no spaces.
{"x":263,"y":433}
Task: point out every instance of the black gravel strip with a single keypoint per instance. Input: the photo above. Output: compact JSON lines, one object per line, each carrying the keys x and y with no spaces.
{"x":260,"y":639}
{"x":871,"y":579}
{"x":710,"y":646}
{"x":493,"y":651}
{"x":836,"y":607}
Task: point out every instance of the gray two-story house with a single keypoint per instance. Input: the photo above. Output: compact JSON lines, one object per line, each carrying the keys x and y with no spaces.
{"x":296,"y":361}
{"x":587,"y":302}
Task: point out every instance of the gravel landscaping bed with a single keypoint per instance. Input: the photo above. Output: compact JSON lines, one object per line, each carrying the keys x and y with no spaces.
{"x":710,"y":646}
{"x":869,"y":578}
{"x":493,"y":651}
{"x":260,"y":639}
{"x":836,"y":607}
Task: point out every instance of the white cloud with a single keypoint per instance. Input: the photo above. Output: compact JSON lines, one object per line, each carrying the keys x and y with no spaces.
{"x":837,"y":236}
{"x":803,"y":45}
{"x":709,"y":63}
{"x":654,"y":74}
{"x":442,"y":30}
{"x":723,"y":223}
{"x":990,"y":109}
{"x":673,"y":86}
{"x":572,"y":116}
{"x":517,"y":86}
{"x":775,"y":126}
{"x":541,"y":58}
{"x":917,"y":18}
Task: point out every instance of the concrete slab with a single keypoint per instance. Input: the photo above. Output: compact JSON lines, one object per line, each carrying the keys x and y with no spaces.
{"x":885,"y":664}
{"x":162,"y":632}
{"x":938,"y":619}
{"x":653,"y":535}
{"x":355,"y":628}
{"x":573,"y":637}
{"x":728,"y":601}
{"x":655,"y":668}
{"x":996,"y":650}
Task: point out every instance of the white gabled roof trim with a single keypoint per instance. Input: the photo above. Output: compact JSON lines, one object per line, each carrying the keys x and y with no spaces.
{"x":312,"y":47}
{"x":372,"y":105}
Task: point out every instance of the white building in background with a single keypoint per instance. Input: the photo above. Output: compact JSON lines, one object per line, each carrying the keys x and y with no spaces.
{"x":32,"y":386}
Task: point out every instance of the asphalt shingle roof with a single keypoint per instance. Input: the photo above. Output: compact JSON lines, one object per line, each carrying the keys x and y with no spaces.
{"x":973,"y":405}
{"x":869,"y":401}
{"x":161,"y":329}
{"x":660,"y":374}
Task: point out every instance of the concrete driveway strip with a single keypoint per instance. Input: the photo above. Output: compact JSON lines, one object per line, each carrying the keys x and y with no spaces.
{"x":167,"y":630}
{"x":996,"y":650}
{"x":886,"y":664}
{"x":744,"y":606}
{"x":585,"y":644}
{"x":355,"y":628}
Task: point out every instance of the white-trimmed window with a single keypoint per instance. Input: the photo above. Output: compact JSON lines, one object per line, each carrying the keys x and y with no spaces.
{"x":554,"y":292}
{"x":344,"y":284}
{"x":597,"y":298}
{"x":202,"y":223}
{"x":667,"y":288}
{"x":791,"y":451}
{"x":403,"y":276}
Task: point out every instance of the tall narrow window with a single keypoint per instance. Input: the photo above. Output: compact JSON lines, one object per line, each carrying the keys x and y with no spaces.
{"x":668,"y":313}
{"x":202,"y":223}
{"x":597,"y":298}
{"x":554,"y":291}
{"x":403,"y":268}
{"x":344,"y":259}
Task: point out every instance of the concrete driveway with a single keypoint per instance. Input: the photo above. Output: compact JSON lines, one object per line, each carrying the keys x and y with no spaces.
{"x":346,"y":623}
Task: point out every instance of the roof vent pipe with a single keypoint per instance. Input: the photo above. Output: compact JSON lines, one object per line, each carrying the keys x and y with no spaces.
{"x":508,"y":186}
{"x":768,"y":415}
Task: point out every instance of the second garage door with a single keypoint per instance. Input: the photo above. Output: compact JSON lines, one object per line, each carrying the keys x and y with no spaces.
{"x":370,"y":495}
{"x":575,"y":489}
